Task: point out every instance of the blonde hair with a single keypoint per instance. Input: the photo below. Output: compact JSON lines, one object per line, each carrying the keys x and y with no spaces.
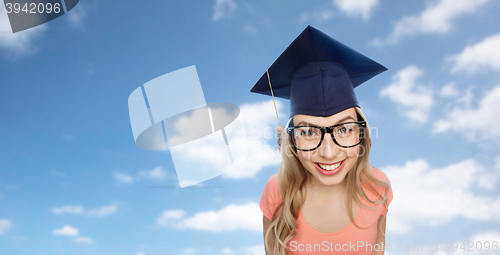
{"x":292,"y":177}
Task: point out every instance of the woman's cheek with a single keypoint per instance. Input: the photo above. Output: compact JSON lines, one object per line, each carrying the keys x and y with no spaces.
{"x":353,"y":151}
{"x":304,"y":156}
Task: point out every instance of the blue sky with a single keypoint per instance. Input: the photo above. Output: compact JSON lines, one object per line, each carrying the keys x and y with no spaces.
{"x":72,"y":181}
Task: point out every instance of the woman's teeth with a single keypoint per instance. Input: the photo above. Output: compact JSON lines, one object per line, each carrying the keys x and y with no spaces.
{"x":329,"y":167}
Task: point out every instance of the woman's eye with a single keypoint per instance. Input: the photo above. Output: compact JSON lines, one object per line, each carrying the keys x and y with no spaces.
{"x":344,"y":130}
{"x":306,"y":133}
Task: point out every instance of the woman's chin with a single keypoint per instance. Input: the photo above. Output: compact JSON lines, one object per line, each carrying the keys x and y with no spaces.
{"x":332,"y":180}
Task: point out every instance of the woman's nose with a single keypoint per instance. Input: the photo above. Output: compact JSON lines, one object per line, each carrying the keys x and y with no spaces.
{"x":328,"y":148}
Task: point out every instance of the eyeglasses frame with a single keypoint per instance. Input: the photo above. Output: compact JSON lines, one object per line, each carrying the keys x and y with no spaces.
{"x":329,"y":130}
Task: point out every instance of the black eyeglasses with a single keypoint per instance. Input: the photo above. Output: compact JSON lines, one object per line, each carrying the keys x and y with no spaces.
{"x":308,"y":138}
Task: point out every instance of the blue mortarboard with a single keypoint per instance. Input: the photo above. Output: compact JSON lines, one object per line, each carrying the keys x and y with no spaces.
{"x":317,"y":74}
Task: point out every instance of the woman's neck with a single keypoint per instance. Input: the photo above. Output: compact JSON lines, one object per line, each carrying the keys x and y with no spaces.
{"x":327,"y":191}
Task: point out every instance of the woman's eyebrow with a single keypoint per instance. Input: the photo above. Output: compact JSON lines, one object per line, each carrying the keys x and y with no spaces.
{"x":344,"y":119}
{"x":340,"y":121}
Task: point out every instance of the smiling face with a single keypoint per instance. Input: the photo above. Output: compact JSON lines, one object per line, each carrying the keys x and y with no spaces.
{"x":323,"y":162}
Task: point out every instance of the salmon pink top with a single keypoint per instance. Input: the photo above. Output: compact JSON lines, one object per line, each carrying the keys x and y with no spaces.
{"x":350,"y":240}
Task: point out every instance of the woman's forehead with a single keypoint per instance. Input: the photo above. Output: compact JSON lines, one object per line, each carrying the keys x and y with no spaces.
{"x":342,"y":116}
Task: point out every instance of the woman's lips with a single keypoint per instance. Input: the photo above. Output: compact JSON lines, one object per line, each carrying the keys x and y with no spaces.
{"x":330,"y":172}
{"x":329,"y":163}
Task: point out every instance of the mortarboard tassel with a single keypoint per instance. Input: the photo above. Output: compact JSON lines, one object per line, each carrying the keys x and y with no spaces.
{"x":280,"y":128}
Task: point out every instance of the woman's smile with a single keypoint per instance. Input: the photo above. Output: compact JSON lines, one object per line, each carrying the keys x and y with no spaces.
{"x":330,"y":169}
{"x":329,"y":166}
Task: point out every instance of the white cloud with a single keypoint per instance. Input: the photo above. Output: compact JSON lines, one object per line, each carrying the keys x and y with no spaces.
{"x":123,"y":178}
{"x":251,"y":30}
{"x":449,"y":191}
{"x":84,"y":239}
{"x":77,"y":15}
{"x":189,"y":251}
{"x":449,"y":90}
{"x":478,"y":57}
{"x":254,"y":250}
{"x":465,"y":99}
{"x":437,"y":18}
{"x":223,"y":9}
{"x":232,"y":217}
{"x":156,"y":174}
{"x":79,"y":210}
{"x":317,"y":16}
{"x":361,"y":8}
{"x":5,"y":225}
{"x":74,"y":232}
{"x":66,"y":231}
{"x":227,"y":251}
{"x":167,"y":216}
{"x":17,"y":43}
{"x":103,"y":211}
{"x":68,"y":209}
{"x":476,"y":124}
{"x":414,"y":100}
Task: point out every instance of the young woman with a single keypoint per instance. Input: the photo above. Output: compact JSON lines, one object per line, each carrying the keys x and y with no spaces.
{"x":326,"y":197}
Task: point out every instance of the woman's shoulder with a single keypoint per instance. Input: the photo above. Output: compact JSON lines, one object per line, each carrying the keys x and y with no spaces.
{"x":271,"y":197}
{"x":377,"y":173}
{"x":272,"y":185}
{"x":273,"y":177}
{"x":380,"y":175}
{"x":273,"y":181}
